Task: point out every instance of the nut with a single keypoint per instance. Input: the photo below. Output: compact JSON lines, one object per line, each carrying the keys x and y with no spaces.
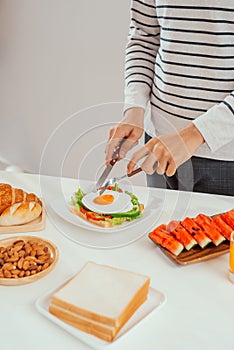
{"x":17,"y":248}
{"x":25,"y":265}
{"x":45,"y":266}
{"x":21,"y":274}
{"x":19,"y":242}
{"x":13,"y":258}
{"x":27,"y":248}
{"x":40,"y":251}
{"x":20,"y":263}
{"x":33,"y":252}
{"x":24,"y":258}
{"x":7,"y":274}
{"x":8,"y":266}
{"x":15,"y":272}
{"x":21,"y":253}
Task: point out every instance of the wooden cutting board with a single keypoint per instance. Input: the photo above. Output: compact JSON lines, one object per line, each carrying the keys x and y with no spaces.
{"x":33,"y":226}
{"x":198,"y":254}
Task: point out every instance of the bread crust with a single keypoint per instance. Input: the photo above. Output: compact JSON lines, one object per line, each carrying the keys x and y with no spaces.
{"x":97,"y":320}
{"x":20,"y":213}
{"x":10,"y":196}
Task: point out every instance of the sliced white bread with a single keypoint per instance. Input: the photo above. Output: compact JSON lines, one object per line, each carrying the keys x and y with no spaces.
{"x":87,"y":325}
{"x":103,"y":294}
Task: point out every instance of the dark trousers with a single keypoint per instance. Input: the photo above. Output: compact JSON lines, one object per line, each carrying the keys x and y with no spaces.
{"x":198,"y":175}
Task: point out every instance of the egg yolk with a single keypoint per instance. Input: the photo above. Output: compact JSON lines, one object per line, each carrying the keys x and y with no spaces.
{"x":104,"y":199}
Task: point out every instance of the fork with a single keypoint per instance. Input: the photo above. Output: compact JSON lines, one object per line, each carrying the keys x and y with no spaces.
{"x":112,"y":181}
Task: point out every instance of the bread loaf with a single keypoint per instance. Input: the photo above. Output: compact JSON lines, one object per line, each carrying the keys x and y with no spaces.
{"x":20,"y":213}
{"x":10,"y":196}
{"x":100,"y":299}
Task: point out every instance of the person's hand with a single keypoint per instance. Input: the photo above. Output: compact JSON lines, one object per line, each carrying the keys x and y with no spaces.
{"x":131,"y":128}
{"x":166,"y":153}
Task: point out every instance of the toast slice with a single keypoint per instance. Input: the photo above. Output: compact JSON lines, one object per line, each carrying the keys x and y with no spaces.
{"x":101,"y":223}
{"x":87,"y":325}
{"x":100,"y":299}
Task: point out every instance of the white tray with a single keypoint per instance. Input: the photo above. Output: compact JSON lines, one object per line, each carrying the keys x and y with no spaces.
{"x":155,"y":300}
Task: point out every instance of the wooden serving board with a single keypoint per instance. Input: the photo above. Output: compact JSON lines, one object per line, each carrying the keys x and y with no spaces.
{"x":198,"y":254}
{"x":36,"y":225}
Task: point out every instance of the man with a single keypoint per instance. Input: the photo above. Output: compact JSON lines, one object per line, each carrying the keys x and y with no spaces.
{"x":180,"y":59}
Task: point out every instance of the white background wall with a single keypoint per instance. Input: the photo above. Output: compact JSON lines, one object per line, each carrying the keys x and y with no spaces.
{"x":58,"y":57}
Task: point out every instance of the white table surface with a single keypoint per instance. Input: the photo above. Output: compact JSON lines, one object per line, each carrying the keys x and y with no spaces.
{"x":198,"y":314}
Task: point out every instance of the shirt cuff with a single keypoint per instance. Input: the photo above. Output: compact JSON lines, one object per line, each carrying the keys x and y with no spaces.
{"x":214,"y":125}
{"x":136,"y":95}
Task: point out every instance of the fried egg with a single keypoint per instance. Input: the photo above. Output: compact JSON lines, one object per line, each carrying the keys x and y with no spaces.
{"x":104,"y":199}
{"x":109,"y":202}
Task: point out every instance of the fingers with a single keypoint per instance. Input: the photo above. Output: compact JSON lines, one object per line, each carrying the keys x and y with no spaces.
{"x":171,"y":169}
{"x":111,"y":133}
{"x":149,"y":166}
{"x":130,"y":128}
{"x":114,"y":139}
{"x":165,"y":153}
{"x":140,"y":154}
{"x":130,"y":133}
{"x":157,"y":158}
{"x":111,"y":149}
{"x":127,"y":145}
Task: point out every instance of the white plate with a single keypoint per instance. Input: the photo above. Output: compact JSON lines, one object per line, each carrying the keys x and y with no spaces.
{"x":88,"y":234}
{"x":155,"y":300}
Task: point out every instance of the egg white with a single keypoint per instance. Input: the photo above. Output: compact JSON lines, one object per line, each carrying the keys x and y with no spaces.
{"x":122,"y":203}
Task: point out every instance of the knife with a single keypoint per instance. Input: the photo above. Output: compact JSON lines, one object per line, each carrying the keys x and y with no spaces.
{"x":108,"y":168}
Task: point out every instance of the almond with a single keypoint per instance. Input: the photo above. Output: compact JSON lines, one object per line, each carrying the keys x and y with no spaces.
{"x":19,"y":242}
{"x":39,"y":268}
{"x":45,"y":266}
{"x":33,"y":252}
{"x":40,"y":252}
{"x":15,"y":272}
{"x":24,"y":258}
{"x":13,"y":258}
{"x":7,"y":274}
{"x":20,"y":263}
{"x":22,"y":273}
{"x":17,"y":248}
{"x":25,"y":265}
{"x":27,"y":248}
{"x":21,"y":253}
{"x":8,"y":266}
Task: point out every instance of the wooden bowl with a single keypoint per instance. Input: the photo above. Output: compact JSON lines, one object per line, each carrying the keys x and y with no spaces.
{"x":52,"y":249}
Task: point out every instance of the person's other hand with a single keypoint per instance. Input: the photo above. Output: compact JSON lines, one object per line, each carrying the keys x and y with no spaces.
{"x":166,"y":153}
{"x":131,"y":128}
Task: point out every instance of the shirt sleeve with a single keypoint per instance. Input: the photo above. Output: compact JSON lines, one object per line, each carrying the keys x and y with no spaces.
{"x":217,"y":124}
{"x":141,"y":50}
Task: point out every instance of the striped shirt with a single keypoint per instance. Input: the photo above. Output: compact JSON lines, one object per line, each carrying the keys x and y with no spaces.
{"x":180,"y":58}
